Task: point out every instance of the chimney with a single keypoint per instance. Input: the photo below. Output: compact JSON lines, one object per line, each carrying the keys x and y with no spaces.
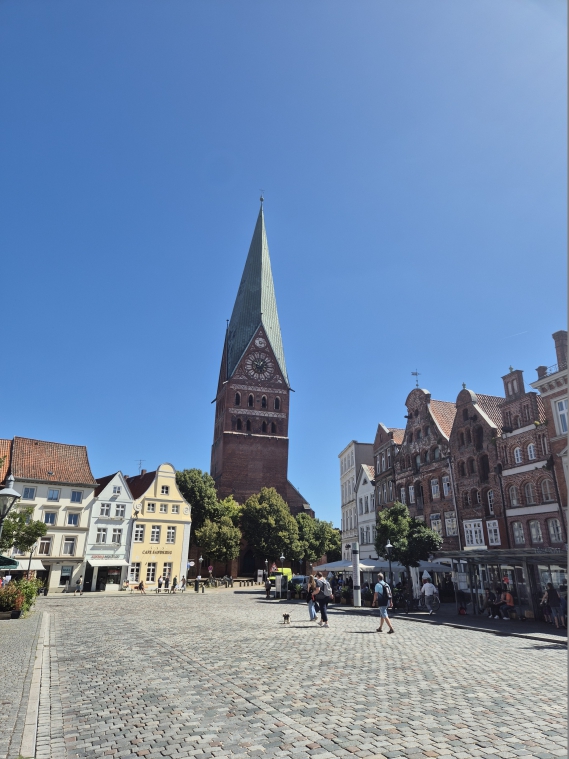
{"x":560,"y":339}
{"x":541,"y":372}
{"x":143,"y":471}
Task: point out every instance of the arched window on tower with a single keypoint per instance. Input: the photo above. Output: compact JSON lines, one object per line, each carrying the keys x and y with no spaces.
{"x":264,"y":426}
{"x":264,"y":402}
{"x":273,"y":427}
{"x":248,"y":426}
{"x":277,"y":404}
{"x":250,"y":401}
{"x":237,"y":399}
{"x":239,"y":424}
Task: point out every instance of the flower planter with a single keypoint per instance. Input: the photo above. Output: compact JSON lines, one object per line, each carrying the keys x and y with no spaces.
{"x":5,"y":615}
{"x":16,"y":614}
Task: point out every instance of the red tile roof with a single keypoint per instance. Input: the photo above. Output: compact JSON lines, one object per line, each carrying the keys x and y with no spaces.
{"x":369,"y":470}
{"x":5,"y":446}
{"x":50,"y":462}
{"x":139,"y":484}
{"x":443,"y":413}
{"x":398,"y":435}
{"x":490,"y":404}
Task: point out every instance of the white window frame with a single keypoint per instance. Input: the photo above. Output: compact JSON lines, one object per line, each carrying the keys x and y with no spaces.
{"x":163,"y":508}
{"x":105,"y":510}
{"x":366,"y":504}
{"x":150,"y":508}
{"x":514,"y":496}
{"x":446,"y":486}
{"x":436,"y":490}
{"x":165,"y":490}
{"x":451,"y":524}
{"x":535,"y":531}
{"x":29,"y":494}
{"x":72,"y":542}
{"x":76,"y":496}
{"x":518,"y":533}
{"x":151,"y":571}
{"x":170,"y":534}
{"x":490,"y":499}
{"x":493,"y":530}
{"x":411,"y":494}
{"x":530,"y":499}
{"x":117,"y":489}
{"x":473,"y":532}
{"x":518,"y":456}
{"x":45,"y":541}
{"x":134,"y":572}
{"x":437,"y":524}
{"x":120,"y":510}
{"x":531,"y":451}
{"x":117,"y":535}
{"x":175,"y":508}
{"x":50,"y":514}
{"x":53,"y":490}
{"x":101,"y":536}
{"x":71,"y":515}
{"x":547,"y":491}
{"x":155,"y":533}
{"x":555,"y":534}
{"x":561,"y":414}
{"x":167,"y":570}
{"x":139,"y":533}
{"x":403,"y":496}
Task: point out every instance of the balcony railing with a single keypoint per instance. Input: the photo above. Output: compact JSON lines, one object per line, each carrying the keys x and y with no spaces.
{"x":553,"y":369}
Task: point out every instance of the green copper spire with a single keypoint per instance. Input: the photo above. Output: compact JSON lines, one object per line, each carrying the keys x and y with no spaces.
{"x":255,"y":303}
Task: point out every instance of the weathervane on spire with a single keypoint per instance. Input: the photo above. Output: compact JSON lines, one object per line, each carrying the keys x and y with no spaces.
{"x":261,"y":198}
{"x":416,"y":375}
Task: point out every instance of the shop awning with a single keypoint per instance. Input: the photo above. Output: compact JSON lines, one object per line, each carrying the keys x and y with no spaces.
{"x":379,"y":565}
{"x":36,"y":565}
{"x":509,"y":556}
{"x":6,"y":563}
{"x":108,"y":562}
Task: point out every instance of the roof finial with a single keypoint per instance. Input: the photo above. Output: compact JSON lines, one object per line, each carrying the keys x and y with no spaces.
{"x":464,"y":385}
{"x":511,"y":369}
{"x":262,"y":199}
{"x":416,"y":375}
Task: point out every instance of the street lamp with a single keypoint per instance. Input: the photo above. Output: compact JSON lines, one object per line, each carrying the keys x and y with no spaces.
{"x":389,"y":548}
{"x":200,"y":561}
{"x":282,"y":572}
{"x":8,"y":497}
{"x":266,"y":569}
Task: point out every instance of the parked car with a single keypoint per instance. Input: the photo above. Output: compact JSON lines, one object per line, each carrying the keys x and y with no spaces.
{"x":299,"y":580}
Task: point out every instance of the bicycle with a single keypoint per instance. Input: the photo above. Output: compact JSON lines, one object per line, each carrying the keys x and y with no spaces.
{"x":435,"y":603}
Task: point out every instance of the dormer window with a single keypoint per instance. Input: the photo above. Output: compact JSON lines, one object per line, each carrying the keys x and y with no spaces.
{"x":116,"y":489}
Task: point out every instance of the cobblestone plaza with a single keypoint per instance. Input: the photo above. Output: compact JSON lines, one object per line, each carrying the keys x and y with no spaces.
{"x":219,"y":674}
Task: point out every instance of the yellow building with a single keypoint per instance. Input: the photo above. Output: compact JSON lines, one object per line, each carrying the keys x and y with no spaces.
{"x":161,"y":530}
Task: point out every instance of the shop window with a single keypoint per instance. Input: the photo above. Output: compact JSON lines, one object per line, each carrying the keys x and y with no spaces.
{"x":65,"y":576}
{"x":547,"y":491}
{"x":518,"y":533}
{"x":531,"y":452}
{"x":514,"y":497}
{"x":151,"y":571}
{"x":554,"y":531}
{"x":529,"y":492}
{"x":493,"y":532}
{"x":535,"y":531}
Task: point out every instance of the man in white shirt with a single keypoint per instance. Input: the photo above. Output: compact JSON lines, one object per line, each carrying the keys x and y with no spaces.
{"x":429,"y":591}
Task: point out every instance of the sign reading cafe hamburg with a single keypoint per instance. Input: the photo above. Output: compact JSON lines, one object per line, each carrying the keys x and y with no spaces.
{"x":156,"y":552}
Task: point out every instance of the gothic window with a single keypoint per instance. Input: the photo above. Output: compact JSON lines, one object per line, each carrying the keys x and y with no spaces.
{"x":410,"y":438}
{"x":264,"y":402}
{"x":264,"y":426}
{"x":535,"y":531}
{"x":518,"y":531}
{"x":490,"y":499}
{"x":437,"y":453}
{"x":514,"y":497}
{"x":418,"y":435}
{"x":461,"y":439}
{"x":250,"y":401}
{"x":531,"y":452}
{"x":518,"y":455}
{"x":462,"y":469}
{"x":389,"y":458}
{"x":517,"y":423}
{"x":470,"y":466}
{"x":427,"y":457}
{"x":383,"y":462}
{"x":468,"y":437}
{"x":273,"y":427}
{"x":507,"y":419}
{"x":403,"y":498}
{"x":478,"y":438}
{"x":390,"y":490}
{"x":248,"y":426}
{"x":418,"y":461}
{"x":525,"y":412}
{"x":466,"y":498}
{"x":427,"y":431}
{"x":277,"y":404}
{"x":465,"y":414}
{"x":411,"y":494}
{"x":237,"y":399}
{"x":529,"y":494}
{"x":547,"y":491}
{"x":239,"y":424}
{"x":476,"y":497}
{"x":484,"y":466}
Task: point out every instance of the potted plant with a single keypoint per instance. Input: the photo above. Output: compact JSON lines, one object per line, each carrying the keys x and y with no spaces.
{"x":297,"y":589}
{"x":344,"y":594}
{"x":367,"y":597}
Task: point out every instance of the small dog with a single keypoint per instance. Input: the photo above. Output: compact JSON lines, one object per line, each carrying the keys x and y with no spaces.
{"x":286,"y":619}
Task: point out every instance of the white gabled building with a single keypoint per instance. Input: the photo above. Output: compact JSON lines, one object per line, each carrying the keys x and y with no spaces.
{"x":110,"y":531}
{"x":365,"y":500}
{"x":351,"y":458}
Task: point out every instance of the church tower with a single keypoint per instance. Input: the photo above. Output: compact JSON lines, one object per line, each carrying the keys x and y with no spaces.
{"x":250,"y":439}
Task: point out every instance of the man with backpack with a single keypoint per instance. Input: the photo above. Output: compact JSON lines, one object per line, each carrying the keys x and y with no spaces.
{"x":382,"y":598}
{"x":323,"y":597}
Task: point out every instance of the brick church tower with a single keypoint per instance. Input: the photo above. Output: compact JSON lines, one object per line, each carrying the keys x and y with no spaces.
{"x":250,"y":439}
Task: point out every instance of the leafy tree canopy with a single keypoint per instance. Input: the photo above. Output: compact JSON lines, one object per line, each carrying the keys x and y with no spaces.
{"x":318,"y":538}
{"x":21,"y":530}
{"x":230,"y":508}
{"x":411,"y":539}
{"x":198,"y":488}
{"x":269,"y":527}
{"x":219,"y":540}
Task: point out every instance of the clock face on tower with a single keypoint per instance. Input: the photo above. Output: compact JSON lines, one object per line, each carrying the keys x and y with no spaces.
{"x":259,"y":366}
{"x":260,"y":343}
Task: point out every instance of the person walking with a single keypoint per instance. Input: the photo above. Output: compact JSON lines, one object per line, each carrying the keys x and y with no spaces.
{"x":140,"y":587}
{"x":267,"y":589}
{"x":429,"y":590}
{"x":79,"y":586}
{"x":167,"y":584}
{"x":489,"y":601}
{"x":324,"y":596}
{"x":552,"y":599}
{"x":160,"y":581}
{"x":382,"y":598}
{"x":183,"y":584}
{"x":311,"y":589}
{"x":174,"y":584}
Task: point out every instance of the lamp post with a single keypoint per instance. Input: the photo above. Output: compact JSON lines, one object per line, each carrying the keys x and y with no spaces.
{"x":356,"y":587}
{"x":8,"y":497}
{"x":266,"y":569}
{"x":200,"y":561}
{"x":389,"y":548}
{"x":32,"y":551}
{"x":282,"y":572}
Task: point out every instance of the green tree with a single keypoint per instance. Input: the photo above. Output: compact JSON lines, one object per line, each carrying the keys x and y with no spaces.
{"x":21,"y":530}
{"x":198,"y":488}
{"x":269,"y":527}
{"x":332,"y":540}
{"x":411,"y":539}
{"x":219,"y":540}
{"x":318,"y":538}
{"x":230,"y":508}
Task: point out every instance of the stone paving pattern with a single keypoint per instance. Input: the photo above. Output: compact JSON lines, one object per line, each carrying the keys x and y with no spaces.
{"x":17,"y":650}
{"x":220,"y":675}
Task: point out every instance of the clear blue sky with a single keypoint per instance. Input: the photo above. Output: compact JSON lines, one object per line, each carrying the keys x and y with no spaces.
{"x":412,"y":157}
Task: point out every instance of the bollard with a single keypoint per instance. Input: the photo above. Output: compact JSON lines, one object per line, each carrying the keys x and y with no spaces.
{"x":197,"y":586}
{"x":203,"y":587}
